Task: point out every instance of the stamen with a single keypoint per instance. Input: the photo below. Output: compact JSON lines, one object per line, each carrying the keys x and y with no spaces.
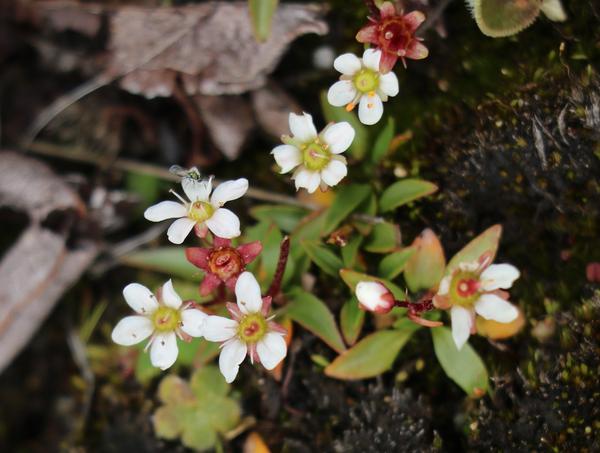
{"x":350,"y":107}
{"x":179,"y":197}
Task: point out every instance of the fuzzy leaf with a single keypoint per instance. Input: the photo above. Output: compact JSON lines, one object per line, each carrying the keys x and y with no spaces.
{"x":323,"y":257}
{"x":284,"y":216}
{"x":351,"y":320}
{"x":261,"y":12}
{"x":425,"y":268}
{"x":486,"y":242}
{"x":372,"y":355}
{"x":403,"y":192}
{"x":347,"y":199}
{"x":464,"y":367}
{"x":384,"y":238}
{"x":360,"y":144}
{"x":167,"y":260}
{"x":312,"y":314}
{"x":498,"y":18}
{"x":393,"y":264}
{"x":383,"y":141}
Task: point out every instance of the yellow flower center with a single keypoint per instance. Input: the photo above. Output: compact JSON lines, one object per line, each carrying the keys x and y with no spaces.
{"x":252,"y":328}
{"x":316,"y":156}
{"x":166,"y":319}
{"x":201,"y":211}
{"x":366,"y":80}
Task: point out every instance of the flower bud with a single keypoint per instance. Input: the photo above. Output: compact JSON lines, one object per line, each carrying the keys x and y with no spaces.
{"x":375,"y":297}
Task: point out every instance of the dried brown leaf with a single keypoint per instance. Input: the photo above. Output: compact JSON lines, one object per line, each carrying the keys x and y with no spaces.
{"x":272,"y":107}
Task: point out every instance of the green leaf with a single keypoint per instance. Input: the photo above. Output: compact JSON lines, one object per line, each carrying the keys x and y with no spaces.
{"x":147,"y":187}
{"x":384,"y":238}
{"x":284,"y":216}
{"x":261,"y":13}
{"x":425,"y":268}
{"x":346,"y":201}
{"x":464,"y":367}
{"x":208,"y":379}
{"x":351,"y":278}
{"x":144,"y":370}
{"x":360,"y":144}
{"x":403,"y":192}
{"x":350,"y":251}
{"x":312,"y":314}
{"x":498,"y":18}
{"x":323,"y":257}
{"x":486,"y":243}
{"x":372,"y":355}
{"x":167,"y":260}
{"x":383,"y":141}
{"x":393,"y":264}
{"x":269,"y":256}
{"x":351,"y":320}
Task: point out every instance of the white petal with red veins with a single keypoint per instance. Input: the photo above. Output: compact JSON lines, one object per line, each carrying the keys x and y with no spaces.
{"x":499,"y":276}
{"x":163,"y":351}
{"x":232,"y":355}
{"x":169,"y":297}
{"x":228,"y":191}
{"x":165,"y":210}
{"x":370,"y":109}
{"x":140,"y":298}
{"x":247,"y":292}
{"x":192,"y":322}
{"x":224,"y":224}
{"x":495,"y":308}
{"x":462,"y":320}
{"x":218,"y":328}
{"x":271,"y":350}
{"x":302,"y":127}
{"x":131,"y":330}
{"x":347,"y":64}
{"x":339,"y":137}
{"x":180,"y":229}
{"x":287,"y":157}
{"x":341,"y":93}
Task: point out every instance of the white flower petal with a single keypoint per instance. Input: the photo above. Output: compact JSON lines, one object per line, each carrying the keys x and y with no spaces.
{"x":140,"y":298}
{"x":271,"y":350}
{"x":131,"y":330}
{"x":228,"y":191}
{"x":287,"y":157}
{"x":310,"y":180}
{"x":218,"y":328}
{"x":388,"y":84}
{"x":165,"y":210}
{"x":371,"y":58}
{"x":169,"y":297}
{"x":192,"y":322}
{"x":224,"y":224}
{"x":461,"y":325}
{"x":196,"y":189}
{"x":232,"y":355}
{"x":341,"y":93}
{"x":444,"y":285}
{"x":347,"y":64}
{"x":247,"y":293}
{"x":370,"y":109}
{"x":163,"y":351}
{"x":334,"y":172}
{"x":179,"y":230}
{"x":495,"y":308}
{"x":302,"y":127}
{"x":499,"y":276}
{"x":339,"y":137}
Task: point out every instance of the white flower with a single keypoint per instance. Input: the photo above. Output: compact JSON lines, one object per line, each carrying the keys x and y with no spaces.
{"x":361,"y":83}
{"x":476,"y":288}
{"x":202,"y":211}
{"x":249,"y":332}
{"x":316,"y":157}
{"x":162,"y":319}
{"x":374,"y":296}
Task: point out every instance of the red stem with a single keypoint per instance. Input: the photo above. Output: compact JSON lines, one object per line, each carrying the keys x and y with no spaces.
{"x":284,"y":251}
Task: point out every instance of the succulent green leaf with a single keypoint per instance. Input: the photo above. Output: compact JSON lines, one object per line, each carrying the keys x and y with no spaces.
{"x":372,"y":355}
{"x":385,"y":237}
{"x":383,"y":141}
{"x":350,"y":251}
{"x":464,"y":367}
{"x":323,"y":257}
{"x":347,"y":199}
{"x":351,"y":320}
{"x":393,"y":264}
{"x":425,"y":268}
{"x":403,"y":192}
{"x":261,"y":13}
{"x":486,"y":243}
{"x":285,"y":217}
{"x":167,"y":260}
{"x":312,"y":314}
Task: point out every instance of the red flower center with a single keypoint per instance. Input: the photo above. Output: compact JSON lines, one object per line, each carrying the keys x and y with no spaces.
{"x":467,"y":287}
{"x":394,"y":36}
{"x":225,"y":263}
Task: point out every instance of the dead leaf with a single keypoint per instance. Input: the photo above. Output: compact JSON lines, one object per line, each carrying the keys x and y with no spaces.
{"x":39,"y":267}
{"x":211,"y":46}
{"x":272,"y":107}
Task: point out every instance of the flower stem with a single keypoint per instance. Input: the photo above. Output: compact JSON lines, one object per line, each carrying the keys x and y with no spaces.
{"x":284,"y":251}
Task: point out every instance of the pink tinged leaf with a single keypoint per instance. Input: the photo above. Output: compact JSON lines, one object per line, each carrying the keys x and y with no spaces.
{"x":253,"y":354}
{"x":210,"y":283}
{"x":266,"y":306}
{"x":198,"y":256}
{"x":274,"y":327}
{"x":250,"y":251}
{"x":367,"y":34}
{"x":234,"y":311}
